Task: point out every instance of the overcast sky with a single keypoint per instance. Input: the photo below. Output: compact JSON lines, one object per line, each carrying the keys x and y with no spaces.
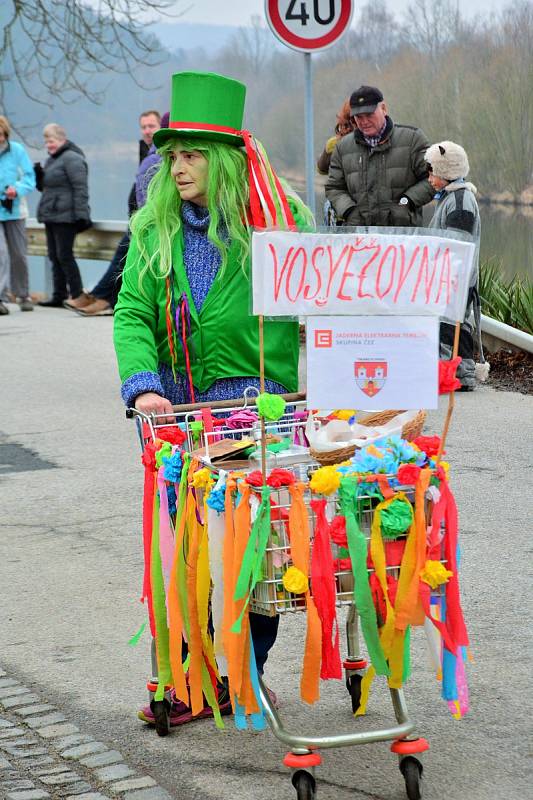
{"x":238,"y":12}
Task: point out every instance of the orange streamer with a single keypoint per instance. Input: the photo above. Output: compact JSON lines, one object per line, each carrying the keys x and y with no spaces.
{"x":299,"y":532}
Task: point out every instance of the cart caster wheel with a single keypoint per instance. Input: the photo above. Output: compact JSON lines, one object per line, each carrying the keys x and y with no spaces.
{"x":412,"y":772}
{"x":304,"y":783}
{"x":353,"y":684}
{"x":161,"y":710}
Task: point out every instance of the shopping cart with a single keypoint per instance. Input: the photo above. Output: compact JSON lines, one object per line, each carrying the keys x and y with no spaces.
{"x":270,"y":597}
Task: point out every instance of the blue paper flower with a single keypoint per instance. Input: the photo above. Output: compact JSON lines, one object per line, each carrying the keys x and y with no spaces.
{"x":172,"y":464}
{"x":216,"y":499}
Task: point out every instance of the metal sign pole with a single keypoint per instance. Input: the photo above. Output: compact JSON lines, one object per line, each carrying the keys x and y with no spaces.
{"x":309,"y":134}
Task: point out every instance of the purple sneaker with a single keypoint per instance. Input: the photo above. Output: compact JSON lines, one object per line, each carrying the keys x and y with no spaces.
{"x":164,"y":715}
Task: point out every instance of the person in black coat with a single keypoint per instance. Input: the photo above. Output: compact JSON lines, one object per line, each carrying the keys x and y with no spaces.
{"x":64,"y":210}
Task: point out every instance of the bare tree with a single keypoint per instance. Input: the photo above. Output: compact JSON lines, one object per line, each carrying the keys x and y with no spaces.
{"x":62,"y":48}
{"x":432,"y":26}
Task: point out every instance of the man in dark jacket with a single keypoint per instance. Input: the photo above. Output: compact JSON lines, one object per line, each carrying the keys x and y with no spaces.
{"x":378,"y":174}
{"x":64,"y":209}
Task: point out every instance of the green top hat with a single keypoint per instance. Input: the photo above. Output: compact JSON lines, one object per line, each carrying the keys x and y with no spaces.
{"x":205,"y":105}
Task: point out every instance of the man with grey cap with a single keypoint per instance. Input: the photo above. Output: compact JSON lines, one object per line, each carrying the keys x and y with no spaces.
{"x":378,"y":174}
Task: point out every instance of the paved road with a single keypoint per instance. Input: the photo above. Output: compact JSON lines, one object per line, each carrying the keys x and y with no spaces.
{"x":70,"y":571}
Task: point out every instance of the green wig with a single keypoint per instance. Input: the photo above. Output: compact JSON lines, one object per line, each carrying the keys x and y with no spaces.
{"x":159,"y":220}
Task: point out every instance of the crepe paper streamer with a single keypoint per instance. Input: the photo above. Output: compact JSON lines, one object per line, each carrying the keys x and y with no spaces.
{"x":176,"y":597}
{"x":408,"y":474}
{"x":270,"y":406}
{"x":136,"y":636}
{"x":252,"y":562}
{"x":237,"y":534}
{"x":434,"y":643}
{"x":366,"y":684}
{"x":160,"y":610}
{"x":362,"y":595}
{"x":323,"y":582}
{"x":300,"y":549}
{"x":447,"y":380}
{"x":150,"y":479}
{"x":435,"y":573}
{"x":461,"y":705}
{"x":166,"y":537}
{"x":257,"y":718}
{"x":454,"y":613}
{"x":409,"y":609}
{"x":216,"y":529}
{"x":396,"y":516}
{"x":325,"y":480}
{"x":295,"y":581}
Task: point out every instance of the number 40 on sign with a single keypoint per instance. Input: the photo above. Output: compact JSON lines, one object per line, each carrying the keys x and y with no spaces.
{"x":308,"y":25}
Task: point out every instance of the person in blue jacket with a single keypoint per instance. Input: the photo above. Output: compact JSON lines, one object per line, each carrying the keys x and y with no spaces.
{"x":17,"y":179}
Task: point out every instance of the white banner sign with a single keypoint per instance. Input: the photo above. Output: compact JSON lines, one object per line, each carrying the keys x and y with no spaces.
{"x":372,"y":363}
{"x":309,"y":274}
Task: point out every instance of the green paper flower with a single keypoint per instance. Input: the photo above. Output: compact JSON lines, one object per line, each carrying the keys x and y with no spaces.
{"x":270,"y":406}
{"x":396,"y":519}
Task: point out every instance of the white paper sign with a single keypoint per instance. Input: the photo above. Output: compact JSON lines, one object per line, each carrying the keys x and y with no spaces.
{"x":310,"y":274}
{"x":372,"y":363}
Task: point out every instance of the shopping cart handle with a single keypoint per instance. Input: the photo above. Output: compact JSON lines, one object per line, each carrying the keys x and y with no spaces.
{"x":295,"y":397}
{"x":289,"y":398}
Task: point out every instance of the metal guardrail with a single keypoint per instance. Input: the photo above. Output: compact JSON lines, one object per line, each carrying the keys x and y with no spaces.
{"x":98,"y":243}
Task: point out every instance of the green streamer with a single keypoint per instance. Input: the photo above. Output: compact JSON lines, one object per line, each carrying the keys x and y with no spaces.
{"x":136,"y":636}
{"x":407,"y":655}
{"x":362,"y":595}
{"x":252,"y":562}
{"x":160,"y":611}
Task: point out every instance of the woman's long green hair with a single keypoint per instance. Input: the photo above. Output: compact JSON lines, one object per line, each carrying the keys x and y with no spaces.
{"x":159,"y":220}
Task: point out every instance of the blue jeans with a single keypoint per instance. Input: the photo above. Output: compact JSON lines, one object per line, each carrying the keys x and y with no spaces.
{"x":264,"y":631}
{"x":109,"y":284}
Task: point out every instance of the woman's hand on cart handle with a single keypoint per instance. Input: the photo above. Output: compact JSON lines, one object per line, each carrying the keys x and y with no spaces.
{"x":152,"y":403}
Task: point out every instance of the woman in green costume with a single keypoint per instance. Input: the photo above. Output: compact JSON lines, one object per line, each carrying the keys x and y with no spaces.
{"x":183,"y":328}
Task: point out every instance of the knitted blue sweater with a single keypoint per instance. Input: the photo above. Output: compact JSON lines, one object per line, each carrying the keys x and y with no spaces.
{"x":202,"y":261}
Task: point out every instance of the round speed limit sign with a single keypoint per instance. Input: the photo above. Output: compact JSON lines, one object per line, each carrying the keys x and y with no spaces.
{"x":309,"y":25}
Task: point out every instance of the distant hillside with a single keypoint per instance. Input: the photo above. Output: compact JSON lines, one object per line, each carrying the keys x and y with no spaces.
{"x":177,"y":36}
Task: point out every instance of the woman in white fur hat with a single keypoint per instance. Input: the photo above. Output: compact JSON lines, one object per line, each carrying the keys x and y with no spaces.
{"x":457,"y":209}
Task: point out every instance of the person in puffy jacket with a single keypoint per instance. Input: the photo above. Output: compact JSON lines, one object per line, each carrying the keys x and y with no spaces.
{"x":457,"y":210}
{"x":378,"y":175}
{"x":64,"y":209}
{"x":17,"y":179}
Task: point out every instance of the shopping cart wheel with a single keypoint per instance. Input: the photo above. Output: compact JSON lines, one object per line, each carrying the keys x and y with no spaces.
{"x":353,"y":684}
{"x":412,"y":772}
{"x":304,"y":783}
{"x":161,"y":711}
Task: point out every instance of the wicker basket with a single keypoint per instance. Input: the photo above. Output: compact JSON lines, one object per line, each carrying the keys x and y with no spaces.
{"x":410,"y":431}
{"x":330,"y":457}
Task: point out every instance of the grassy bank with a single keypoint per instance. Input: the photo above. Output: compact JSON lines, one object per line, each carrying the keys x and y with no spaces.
{"x":510,"y":302}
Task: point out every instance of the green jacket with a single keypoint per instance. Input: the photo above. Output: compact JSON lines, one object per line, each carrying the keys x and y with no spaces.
{"x":224,"y":338}
{"x":365,"y":184}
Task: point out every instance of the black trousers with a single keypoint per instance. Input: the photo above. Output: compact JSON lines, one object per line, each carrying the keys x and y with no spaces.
{"x":65,"y":271}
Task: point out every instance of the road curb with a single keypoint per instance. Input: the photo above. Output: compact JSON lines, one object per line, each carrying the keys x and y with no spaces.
{"x":43,"y":756}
